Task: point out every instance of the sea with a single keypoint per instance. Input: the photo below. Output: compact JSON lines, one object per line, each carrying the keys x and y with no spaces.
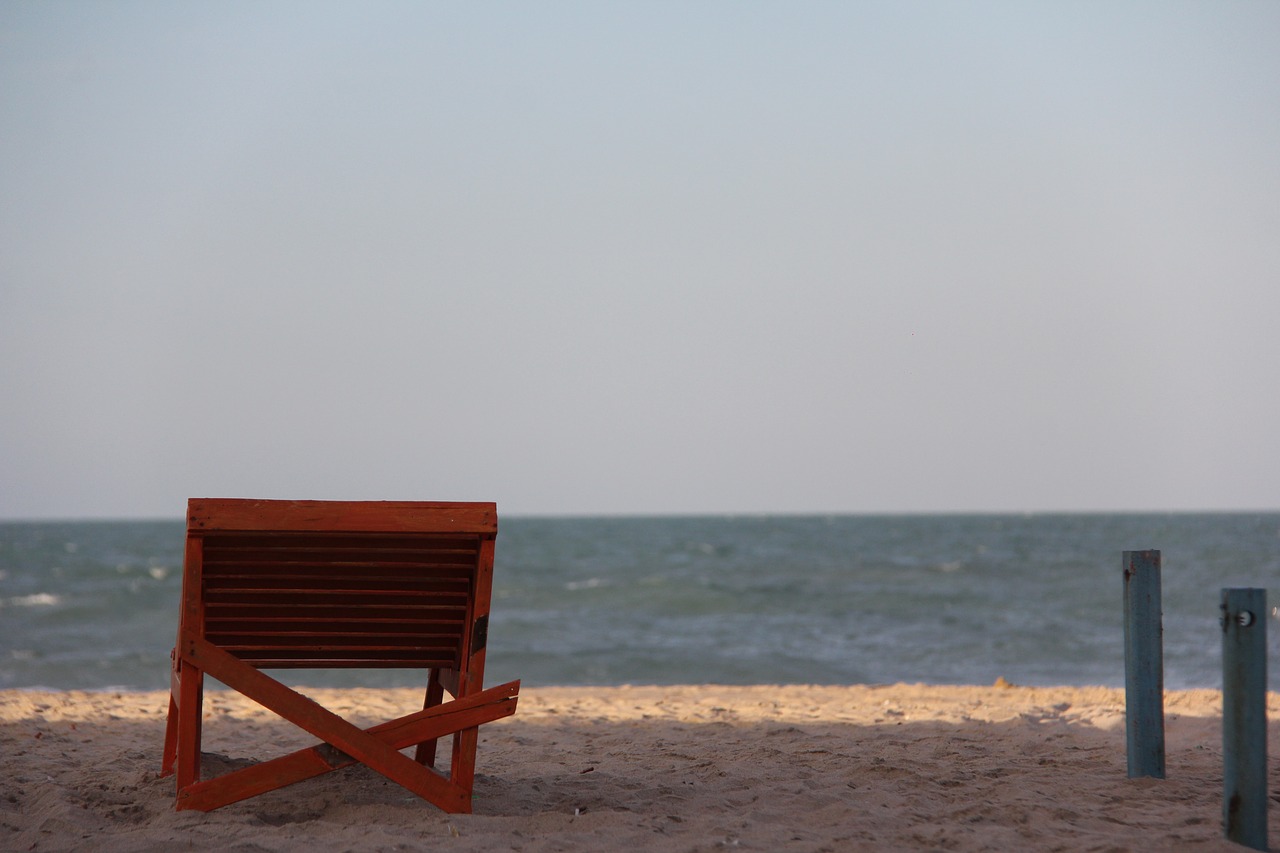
{"x":1034,"y":599}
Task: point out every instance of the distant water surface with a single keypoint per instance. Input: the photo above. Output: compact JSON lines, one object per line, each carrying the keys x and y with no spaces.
{"x":947,"y":599}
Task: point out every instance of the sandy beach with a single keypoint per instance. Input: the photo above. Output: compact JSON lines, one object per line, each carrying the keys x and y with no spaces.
{"x":683,"y":768}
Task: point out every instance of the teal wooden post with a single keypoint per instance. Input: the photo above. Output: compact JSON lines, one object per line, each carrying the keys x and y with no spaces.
{"x":1143,"y":664}
{"x":1244,"y":716}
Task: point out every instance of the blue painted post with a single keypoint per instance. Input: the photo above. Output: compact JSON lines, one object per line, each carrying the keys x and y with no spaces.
{"x":1143,"y":664}
{"x":1244,"y":716}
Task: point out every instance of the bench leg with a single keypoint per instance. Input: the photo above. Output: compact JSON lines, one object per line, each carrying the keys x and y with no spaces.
{"x":490,"y":705}
{"x":186,"y":718}
{"x":323,"y":723}
{"x":426,"y":751}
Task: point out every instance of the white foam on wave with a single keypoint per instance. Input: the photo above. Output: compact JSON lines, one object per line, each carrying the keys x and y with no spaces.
{"x":40,"y":599}
{"x":590,"y":583}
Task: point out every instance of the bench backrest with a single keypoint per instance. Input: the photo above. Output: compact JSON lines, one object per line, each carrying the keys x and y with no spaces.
{"x":369,"y":584}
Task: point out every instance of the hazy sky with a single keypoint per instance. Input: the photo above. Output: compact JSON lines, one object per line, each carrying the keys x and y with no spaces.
{"x":640,"y":257}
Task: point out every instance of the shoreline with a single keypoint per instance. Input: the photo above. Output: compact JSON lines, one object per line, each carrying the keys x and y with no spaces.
{"x":667,"y":768}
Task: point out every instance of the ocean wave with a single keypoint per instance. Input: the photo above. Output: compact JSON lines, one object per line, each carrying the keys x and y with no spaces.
{"x":40,"y":599}
{"x":589,"y":583}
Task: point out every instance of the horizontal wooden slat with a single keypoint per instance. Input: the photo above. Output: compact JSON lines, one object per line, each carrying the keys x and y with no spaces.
{"x":307,"y":657}
{"x":281,"y":549}
{"x":453,"y":574}
{"x":434,"y":626}
{"x":395,"y":612}
{"x":457,"y":574}
{"x":279,"y":591}
{"x":445,"y":591}
{"x":327,"y":650}
{"x":351,"y":664}
{"x":340,"y":606}
{"x":303,"y":633}
{"x":333,"y":598}
{"x":328,"y":643}
{"x":452,"y":564}
{"x":226,"y":514}
{"x":337,"y":540}
{"x":303,"y":565}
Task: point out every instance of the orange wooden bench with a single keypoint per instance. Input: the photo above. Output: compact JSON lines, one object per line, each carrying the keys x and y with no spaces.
{"x":325,"y":584}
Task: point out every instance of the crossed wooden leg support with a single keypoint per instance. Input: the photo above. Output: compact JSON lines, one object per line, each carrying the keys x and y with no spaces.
{"x":344,"y":743}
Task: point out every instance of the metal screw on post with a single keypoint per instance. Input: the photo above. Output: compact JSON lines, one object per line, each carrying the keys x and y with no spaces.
{"x":1143,"y":664}
{"x":1244,"y":717}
